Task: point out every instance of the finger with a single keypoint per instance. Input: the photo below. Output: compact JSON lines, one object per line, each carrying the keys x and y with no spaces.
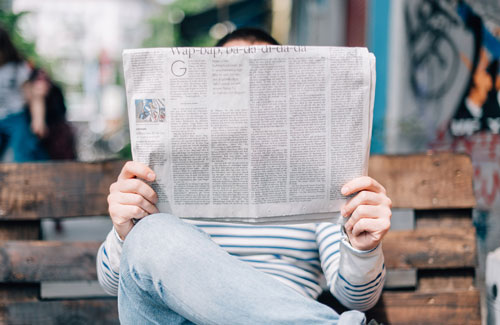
{"x":366,"y":211}
{"x":375,"y":227}
{"x":136,"y":186}
{"x":365,"y":183}
{"x":363,"y":198}
{"x":133,"y":169}
{"x":122,"y":214}
{"x":137,"y":200}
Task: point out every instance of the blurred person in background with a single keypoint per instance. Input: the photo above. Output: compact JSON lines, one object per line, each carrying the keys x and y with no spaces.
{"x":58,"y":138}
{"x":15,"y":91}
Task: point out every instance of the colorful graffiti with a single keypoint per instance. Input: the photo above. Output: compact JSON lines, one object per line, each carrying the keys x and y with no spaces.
{"x":435,"y":33}
{"x":454,"y":77}
{"x":479,"y":108}
{"x":434,"y":56}
{"x":484,"y":149}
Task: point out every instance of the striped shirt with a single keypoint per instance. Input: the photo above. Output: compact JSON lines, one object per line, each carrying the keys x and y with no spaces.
{"x":301,"y":256}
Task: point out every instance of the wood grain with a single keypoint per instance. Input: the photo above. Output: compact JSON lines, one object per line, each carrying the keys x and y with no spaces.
{"x":430,"y":248}
{"x":102,"y":311}
{"x":69,"y":189}
{"x":446,"y":280}
{"x":19,"y":230}
{"x":460,"y":307}
{"x":55,"y":189}
{"x":10,"y":292}
{"x":34,"y":261}
{"x":443,"y":218}
{"x":426,"y":181}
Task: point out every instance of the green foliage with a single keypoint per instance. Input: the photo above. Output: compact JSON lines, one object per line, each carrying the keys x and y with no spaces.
{"x":125,"y":152}
{"x":191,"y":7}
{"x":10,"y":21}
{"x":164,"y":33}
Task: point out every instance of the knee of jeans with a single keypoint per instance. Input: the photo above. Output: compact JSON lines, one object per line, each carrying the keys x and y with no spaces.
{"x":352,"y":317}
{"x":153,"y":235}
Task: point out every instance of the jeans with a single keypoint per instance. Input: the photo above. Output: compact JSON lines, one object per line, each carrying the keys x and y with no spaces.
{"x":16,"y":133}
{"x":172,"y":273}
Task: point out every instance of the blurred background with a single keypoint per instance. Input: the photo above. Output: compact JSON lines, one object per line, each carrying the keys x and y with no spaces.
{"x":438,"y":68}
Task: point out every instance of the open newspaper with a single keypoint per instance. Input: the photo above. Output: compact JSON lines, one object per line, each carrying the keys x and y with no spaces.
{"x":259,"y":134}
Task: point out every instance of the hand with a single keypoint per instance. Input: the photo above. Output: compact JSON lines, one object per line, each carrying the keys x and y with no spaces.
{"x":130,"y":197}
{"x":369,"y":212}
{"x":39,"y":127}
{"x":40,"y":88}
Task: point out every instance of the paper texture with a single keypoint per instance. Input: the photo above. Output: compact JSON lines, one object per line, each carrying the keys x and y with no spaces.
{"x":259,"y":134}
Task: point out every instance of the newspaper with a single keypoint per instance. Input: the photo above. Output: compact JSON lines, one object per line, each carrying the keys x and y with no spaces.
{"x":258,"y":134}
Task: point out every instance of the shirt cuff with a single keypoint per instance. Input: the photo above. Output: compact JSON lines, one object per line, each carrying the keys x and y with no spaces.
{"x":120,"y":241}
{"x":353,"y":260}
{"x":347,"y":244}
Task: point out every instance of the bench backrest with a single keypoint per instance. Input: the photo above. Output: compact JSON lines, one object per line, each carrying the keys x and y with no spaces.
{"x":431,"y":260}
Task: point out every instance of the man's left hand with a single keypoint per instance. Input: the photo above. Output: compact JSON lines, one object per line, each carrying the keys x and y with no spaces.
{"x":369,"y":212}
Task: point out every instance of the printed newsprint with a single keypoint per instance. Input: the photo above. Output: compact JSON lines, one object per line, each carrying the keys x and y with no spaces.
{"x":259,"y":134}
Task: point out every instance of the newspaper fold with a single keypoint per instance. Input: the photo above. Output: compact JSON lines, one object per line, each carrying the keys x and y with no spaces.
{"x":258,"y":134}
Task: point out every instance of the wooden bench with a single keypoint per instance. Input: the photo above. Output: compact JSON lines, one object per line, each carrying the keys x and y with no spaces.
{"x":430,"y":258}
{"x":431,"y":264}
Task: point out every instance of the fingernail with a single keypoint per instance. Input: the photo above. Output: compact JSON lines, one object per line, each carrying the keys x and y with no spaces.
{"x":151,"y":176}
{"x":342,"y":212}
{"x":344,"y":190}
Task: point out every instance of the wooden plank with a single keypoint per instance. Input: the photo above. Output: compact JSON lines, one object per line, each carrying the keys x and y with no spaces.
{"x":460,"y":307}
{"x":430,"y":248}
{"x":55,"y":189}
{"x":20,"y":230}
{"x":426,"y":181}
{"x":102,"y":311}
{"x":68,"y":189}
{"x":446,"y":280}
{"x":10,"y":292}
{"x":451,"y":218}
{"x":34,"y":261}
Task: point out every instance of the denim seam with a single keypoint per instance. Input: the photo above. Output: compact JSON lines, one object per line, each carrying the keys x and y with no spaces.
{"x":179,"y":301}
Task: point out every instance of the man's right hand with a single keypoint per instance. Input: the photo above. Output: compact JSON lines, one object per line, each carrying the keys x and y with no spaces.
{"x":130,"y":197}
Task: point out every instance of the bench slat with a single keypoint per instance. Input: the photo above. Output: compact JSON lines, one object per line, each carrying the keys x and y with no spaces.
{"x":19,"y":292}
{"x":102,"y":311}
{"x":55,"y":189}
{"x":393,"y":308}
{"x":446,"y":280}
{"x":33,"y":261}
{"x":426,"y":181}
{"x":430,"y":248}
{"x":69,"y":189}
{"x":459,"y":307}
{"x":439,"y":218}
{"x":19,"y":230}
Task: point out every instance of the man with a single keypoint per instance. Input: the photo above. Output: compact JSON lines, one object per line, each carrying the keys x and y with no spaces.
{"x":166,"y":270}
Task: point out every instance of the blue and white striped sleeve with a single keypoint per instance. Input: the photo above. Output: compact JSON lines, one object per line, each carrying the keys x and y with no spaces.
{"x":108,"y":263}
{"x":356,"y":278}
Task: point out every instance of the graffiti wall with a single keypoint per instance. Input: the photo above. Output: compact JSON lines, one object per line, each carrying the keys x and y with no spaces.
{"x":473,"y":126}
{"x":446,"y":93}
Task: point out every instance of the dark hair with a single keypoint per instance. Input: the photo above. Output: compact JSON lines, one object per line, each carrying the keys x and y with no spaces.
{"x":8,"y":52}
{"x":251,"y":35}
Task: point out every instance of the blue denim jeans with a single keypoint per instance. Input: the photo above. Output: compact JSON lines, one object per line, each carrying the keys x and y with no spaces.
{"x":172,"y":273}
{"x":15,"y":133}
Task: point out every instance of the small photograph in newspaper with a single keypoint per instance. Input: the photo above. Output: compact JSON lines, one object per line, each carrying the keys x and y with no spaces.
{"x":150,"y":110}
{"x":255,"y":134}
